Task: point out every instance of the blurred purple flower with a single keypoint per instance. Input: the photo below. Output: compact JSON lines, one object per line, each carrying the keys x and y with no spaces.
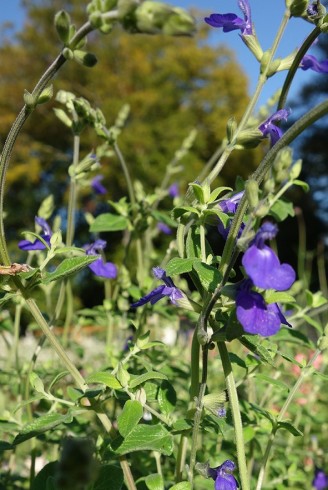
{"x":313,"y":9}
{"x":174,"y":190}
{"x":320,"y":480}
{"x":97,"y":186}
{"x":222,"y":412}
{"x":164,"y":228}
{"x":224,"y":480}
{"x":224,"y":232}
{"x":262,"y":264}
{"x":310,"y":62}
{"x":255,"y":315}
{"x":168,"y":289}
{"x":231,"y":22}
{"x":268,"y":128}
{"x":37,"y":244}
{"x":99,"y":267}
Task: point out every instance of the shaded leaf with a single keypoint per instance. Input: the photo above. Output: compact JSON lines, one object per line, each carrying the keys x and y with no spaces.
{"x":130,"y":416}
{"x":109,"y":222}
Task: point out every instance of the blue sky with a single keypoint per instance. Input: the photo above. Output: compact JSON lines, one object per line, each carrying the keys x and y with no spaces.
{"x":266,"y":15}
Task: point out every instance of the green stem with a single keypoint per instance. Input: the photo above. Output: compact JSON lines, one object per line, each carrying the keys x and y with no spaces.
{"x":126,"y":173}
{"x":202,"y":242}
{"x":293,"y":391}
{"x":181,"y":457}
{"x":73,"y":189}
{"x":236,"y":416}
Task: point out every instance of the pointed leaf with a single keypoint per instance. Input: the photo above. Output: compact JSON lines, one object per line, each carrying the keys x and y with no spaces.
{"x":154,"y":482}
{"x":130,"y":416}
{"x":109,"y":222}
{"x":146,"y":437}
{"x":179,"y":266}
{"x":145,"y":377}
{"x":68,"y":267}
{"x":209,"y":276}
{"x":109,"y":473}
{"x":42,"y":424}
{"x":105,"y":378}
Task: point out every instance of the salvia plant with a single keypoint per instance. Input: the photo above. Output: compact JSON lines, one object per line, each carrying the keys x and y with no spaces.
{"x":211,"y":372}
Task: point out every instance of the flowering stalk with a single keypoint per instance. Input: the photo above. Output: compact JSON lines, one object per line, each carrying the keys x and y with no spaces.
{"x":252,"y":103}
{"x":292,"y":393}
{"x":234,"y":404}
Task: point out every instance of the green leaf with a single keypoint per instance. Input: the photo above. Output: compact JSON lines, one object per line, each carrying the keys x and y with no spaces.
{"x":145,"y":377}
{"x":209,"y":276}
{"x":48,"y":471}
{"x":183,"y":485}
{"x":272,"y":381}
{"x":159,"y":216}
{"x":279,"y":297}
{"x":42,"y":424}
{"x":179,"y":266}
{"x":130,"y":416}
{"x":199,"y":192}
{"x":5,"y":446}
{"x":180,"y":211}
{"x":154,"y":482}
{"x":109,"y":473}
{"x":109,"y":222}
{"x":105,"y":378}
{"x":37,"y":383}
{"x":193,"y":244}
{"x":302,"y":184}
{"x":290,"y":427}
{"x":68,"y":267}
{"x":145,"y":437}
{"x":312,"y":322}
{"x":216,"y":192}
{"x":167,"y":398}
{"x":252,"y":342}
{"x":282,"y":209}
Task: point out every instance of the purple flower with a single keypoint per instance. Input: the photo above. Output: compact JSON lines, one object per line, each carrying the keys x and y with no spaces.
{"x":230,"y":205}
{"x":255,"y":315}
{"x":174,"y":190}
{"x":37,"y":244}
{"x":224,"y":232}
{"x":224,"y":480}
{"x":99,"y":267}
{"x":231,"y":22}
{"x":262,"y":265}
{"x":320,"y":480}
{"x":168,"y":289}
{"x":221,"y":412}
{"x":164,"y":228}
{"x":97,"y":185}
{"x":268,"y":128}
{"x":310,"y":62}
{"x":313,"y":9}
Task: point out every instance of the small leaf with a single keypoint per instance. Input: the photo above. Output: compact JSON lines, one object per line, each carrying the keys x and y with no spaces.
{"x":290,"y":427}
{"x":209,"y":276}
{"x":180,"y":211}
{"x":145,"y":377}
{"x":154,"y":482}
{"x":279,"y":297}
{"x":41,"y":479}
{"x":146,"y":437}
{"x":109,"y":222}
{"x":183,"y":485}
{"x":199,"y":192}
{"x":179,"y":266}
{"x":105,"y":378}
{"x":37,"y":383}
{"x":282,"y":209}
{"x":68,"y":267}
{"x":42,"y":424}
{"x":129,"y":418}
{"x":272,"y":381}
{"x":167,"y":398}
{"x":252,"y":342}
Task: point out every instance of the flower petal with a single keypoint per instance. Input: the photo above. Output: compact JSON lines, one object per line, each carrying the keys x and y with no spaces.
{"x":255,"y":316}
{"x":151,"y":297}
{"x":103,"y":269}
{"x":263,"y":267}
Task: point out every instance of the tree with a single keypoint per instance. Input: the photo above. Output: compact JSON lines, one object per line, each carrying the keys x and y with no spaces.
{"x":171,"y":84}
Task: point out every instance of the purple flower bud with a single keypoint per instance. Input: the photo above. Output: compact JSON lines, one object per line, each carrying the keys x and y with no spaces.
{"x":224,"y":480}
{"x":230,"y":205}
{"x":97,"y":185}
{"x":99,"y":267}
{"x":230,"y":22}
{"x":37,"y":244}
{"x":168,"y":289}
{"x":268,"y":128}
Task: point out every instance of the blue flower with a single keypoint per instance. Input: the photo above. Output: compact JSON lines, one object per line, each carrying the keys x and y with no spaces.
{"x":99,"y":267}
{"x":231,"y":22}
{"x":262,"y":265}
{"x":97,"y":185}
{"x":310,"y":62}
{"x":255,"y":315}
{"x":320,"y":481}
{"x":168,"y":289}
{"x":37,"y":244}
{"x":224,"y":480}
{"x":174,"y":190}
{"x":268,"y":128}
{"x":164,"y":228}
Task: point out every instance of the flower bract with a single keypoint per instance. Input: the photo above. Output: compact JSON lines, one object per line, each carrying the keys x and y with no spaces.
{"x":168,"y":289}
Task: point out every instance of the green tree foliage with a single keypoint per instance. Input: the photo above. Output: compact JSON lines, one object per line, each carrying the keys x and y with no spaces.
{"x":171,"y":84}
